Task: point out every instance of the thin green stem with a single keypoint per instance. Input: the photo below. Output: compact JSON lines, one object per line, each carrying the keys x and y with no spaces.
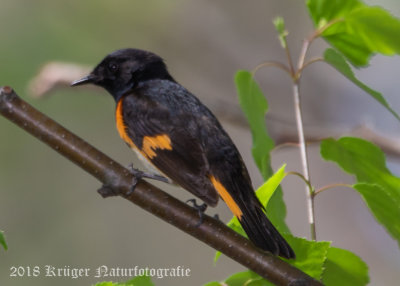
{"x":306,"y":45}
{"x":299,"y":121}
{"x":327,"y":187}
{"x":306,"y":64}
{"x":304,"y":159}
{"x":291,"y":66}
{"x":301,"y":177}
{"x":271,"y":64}
{"x":296,"y":75}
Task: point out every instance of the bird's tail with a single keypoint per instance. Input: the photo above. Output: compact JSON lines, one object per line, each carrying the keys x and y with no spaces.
{"x":247,"y":208}
{"x":261,"y":231}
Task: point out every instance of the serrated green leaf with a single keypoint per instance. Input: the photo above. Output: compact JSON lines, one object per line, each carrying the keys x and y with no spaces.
{"x":279,"y":24}
{"x":310,"y":255}
{"x":360,"y":30}
{"x":322,"y":12}
{"x":140,"y":281}
{"x":3,"y":241}
{"x":367,"y":162}
{"x":137,"y":281}
{"x":246,"y":278}
{"x":255,"y":106}
{"x":310,"y":258}
{"x":339,"y":63}
{"x":264,"y":194}
{"x":385,"y":209}
{"x":344,"y":268}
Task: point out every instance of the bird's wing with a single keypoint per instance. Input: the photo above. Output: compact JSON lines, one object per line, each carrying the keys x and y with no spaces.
{"x":169,"y":142}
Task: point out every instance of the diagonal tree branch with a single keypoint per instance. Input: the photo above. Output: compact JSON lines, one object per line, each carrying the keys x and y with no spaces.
{"x":147,"y":196}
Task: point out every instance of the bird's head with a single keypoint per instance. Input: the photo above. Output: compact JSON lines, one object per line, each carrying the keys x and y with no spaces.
{"x":122,"y":70}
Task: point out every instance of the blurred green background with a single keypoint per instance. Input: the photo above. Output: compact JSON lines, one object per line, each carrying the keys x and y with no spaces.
{"x":49,"y":209}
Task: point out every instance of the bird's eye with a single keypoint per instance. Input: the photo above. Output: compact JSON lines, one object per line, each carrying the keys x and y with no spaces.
{"x":113,"y":67}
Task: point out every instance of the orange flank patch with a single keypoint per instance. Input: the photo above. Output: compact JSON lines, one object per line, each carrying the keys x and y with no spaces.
{"x":226,"y":197}
{"x":150,"y":144}
{"x":121,"y":127}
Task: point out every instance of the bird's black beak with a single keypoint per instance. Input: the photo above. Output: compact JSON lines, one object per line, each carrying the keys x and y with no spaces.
{"x":85,"y":80}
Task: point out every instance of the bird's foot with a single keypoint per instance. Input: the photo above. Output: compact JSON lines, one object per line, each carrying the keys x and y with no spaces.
{"x":216,"y":216}
{"x":200,"y":209}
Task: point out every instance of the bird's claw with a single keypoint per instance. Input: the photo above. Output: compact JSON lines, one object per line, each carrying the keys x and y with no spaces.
{"x":200,"y":209}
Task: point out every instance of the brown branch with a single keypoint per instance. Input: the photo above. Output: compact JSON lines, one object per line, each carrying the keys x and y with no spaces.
{"x":212,"y":232}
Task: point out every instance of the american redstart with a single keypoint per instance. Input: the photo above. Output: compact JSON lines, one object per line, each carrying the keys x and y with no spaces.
{"x":168,"y":126}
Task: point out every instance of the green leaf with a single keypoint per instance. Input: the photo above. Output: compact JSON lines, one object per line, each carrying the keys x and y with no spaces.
{"x":279,"y":24}
{"x":344,"y":268}
{"x":246,"y":278}
{"x":385,"y":209}
{"x":359,"y":30}
{"x":334,"y":266}
{"x":264,"y":194}
{"x":276,"y":211}
{"x":378,"y":186}
{"x":322,"y":12}
{"x":3,"y":241}
{"x":140,"y":281}
{"x":213,"y":283}
{"x":339,"y":63}
{"x":310,"y":255}
{"x":137,"y":281}
{"x":310,"y":258}
{"x":255,"y":106}
{"x":271,"y":196}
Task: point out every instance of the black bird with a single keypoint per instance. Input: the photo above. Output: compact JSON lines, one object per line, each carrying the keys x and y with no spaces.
{"x":168,"y":126}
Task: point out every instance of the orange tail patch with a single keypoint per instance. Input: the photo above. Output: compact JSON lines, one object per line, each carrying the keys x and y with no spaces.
{"x":150,"y":144}
{"x":226,"y":197}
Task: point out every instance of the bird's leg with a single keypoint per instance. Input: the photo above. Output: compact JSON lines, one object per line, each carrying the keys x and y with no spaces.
{"x":200,"y":209}
{"x":140,"y":175}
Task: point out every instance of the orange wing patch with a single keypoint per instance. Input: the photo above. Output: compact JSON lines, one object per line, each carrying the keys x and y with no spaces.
{"x":150,"y":144}
{"x":226,"y":197}
{"x":121,"y":127}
